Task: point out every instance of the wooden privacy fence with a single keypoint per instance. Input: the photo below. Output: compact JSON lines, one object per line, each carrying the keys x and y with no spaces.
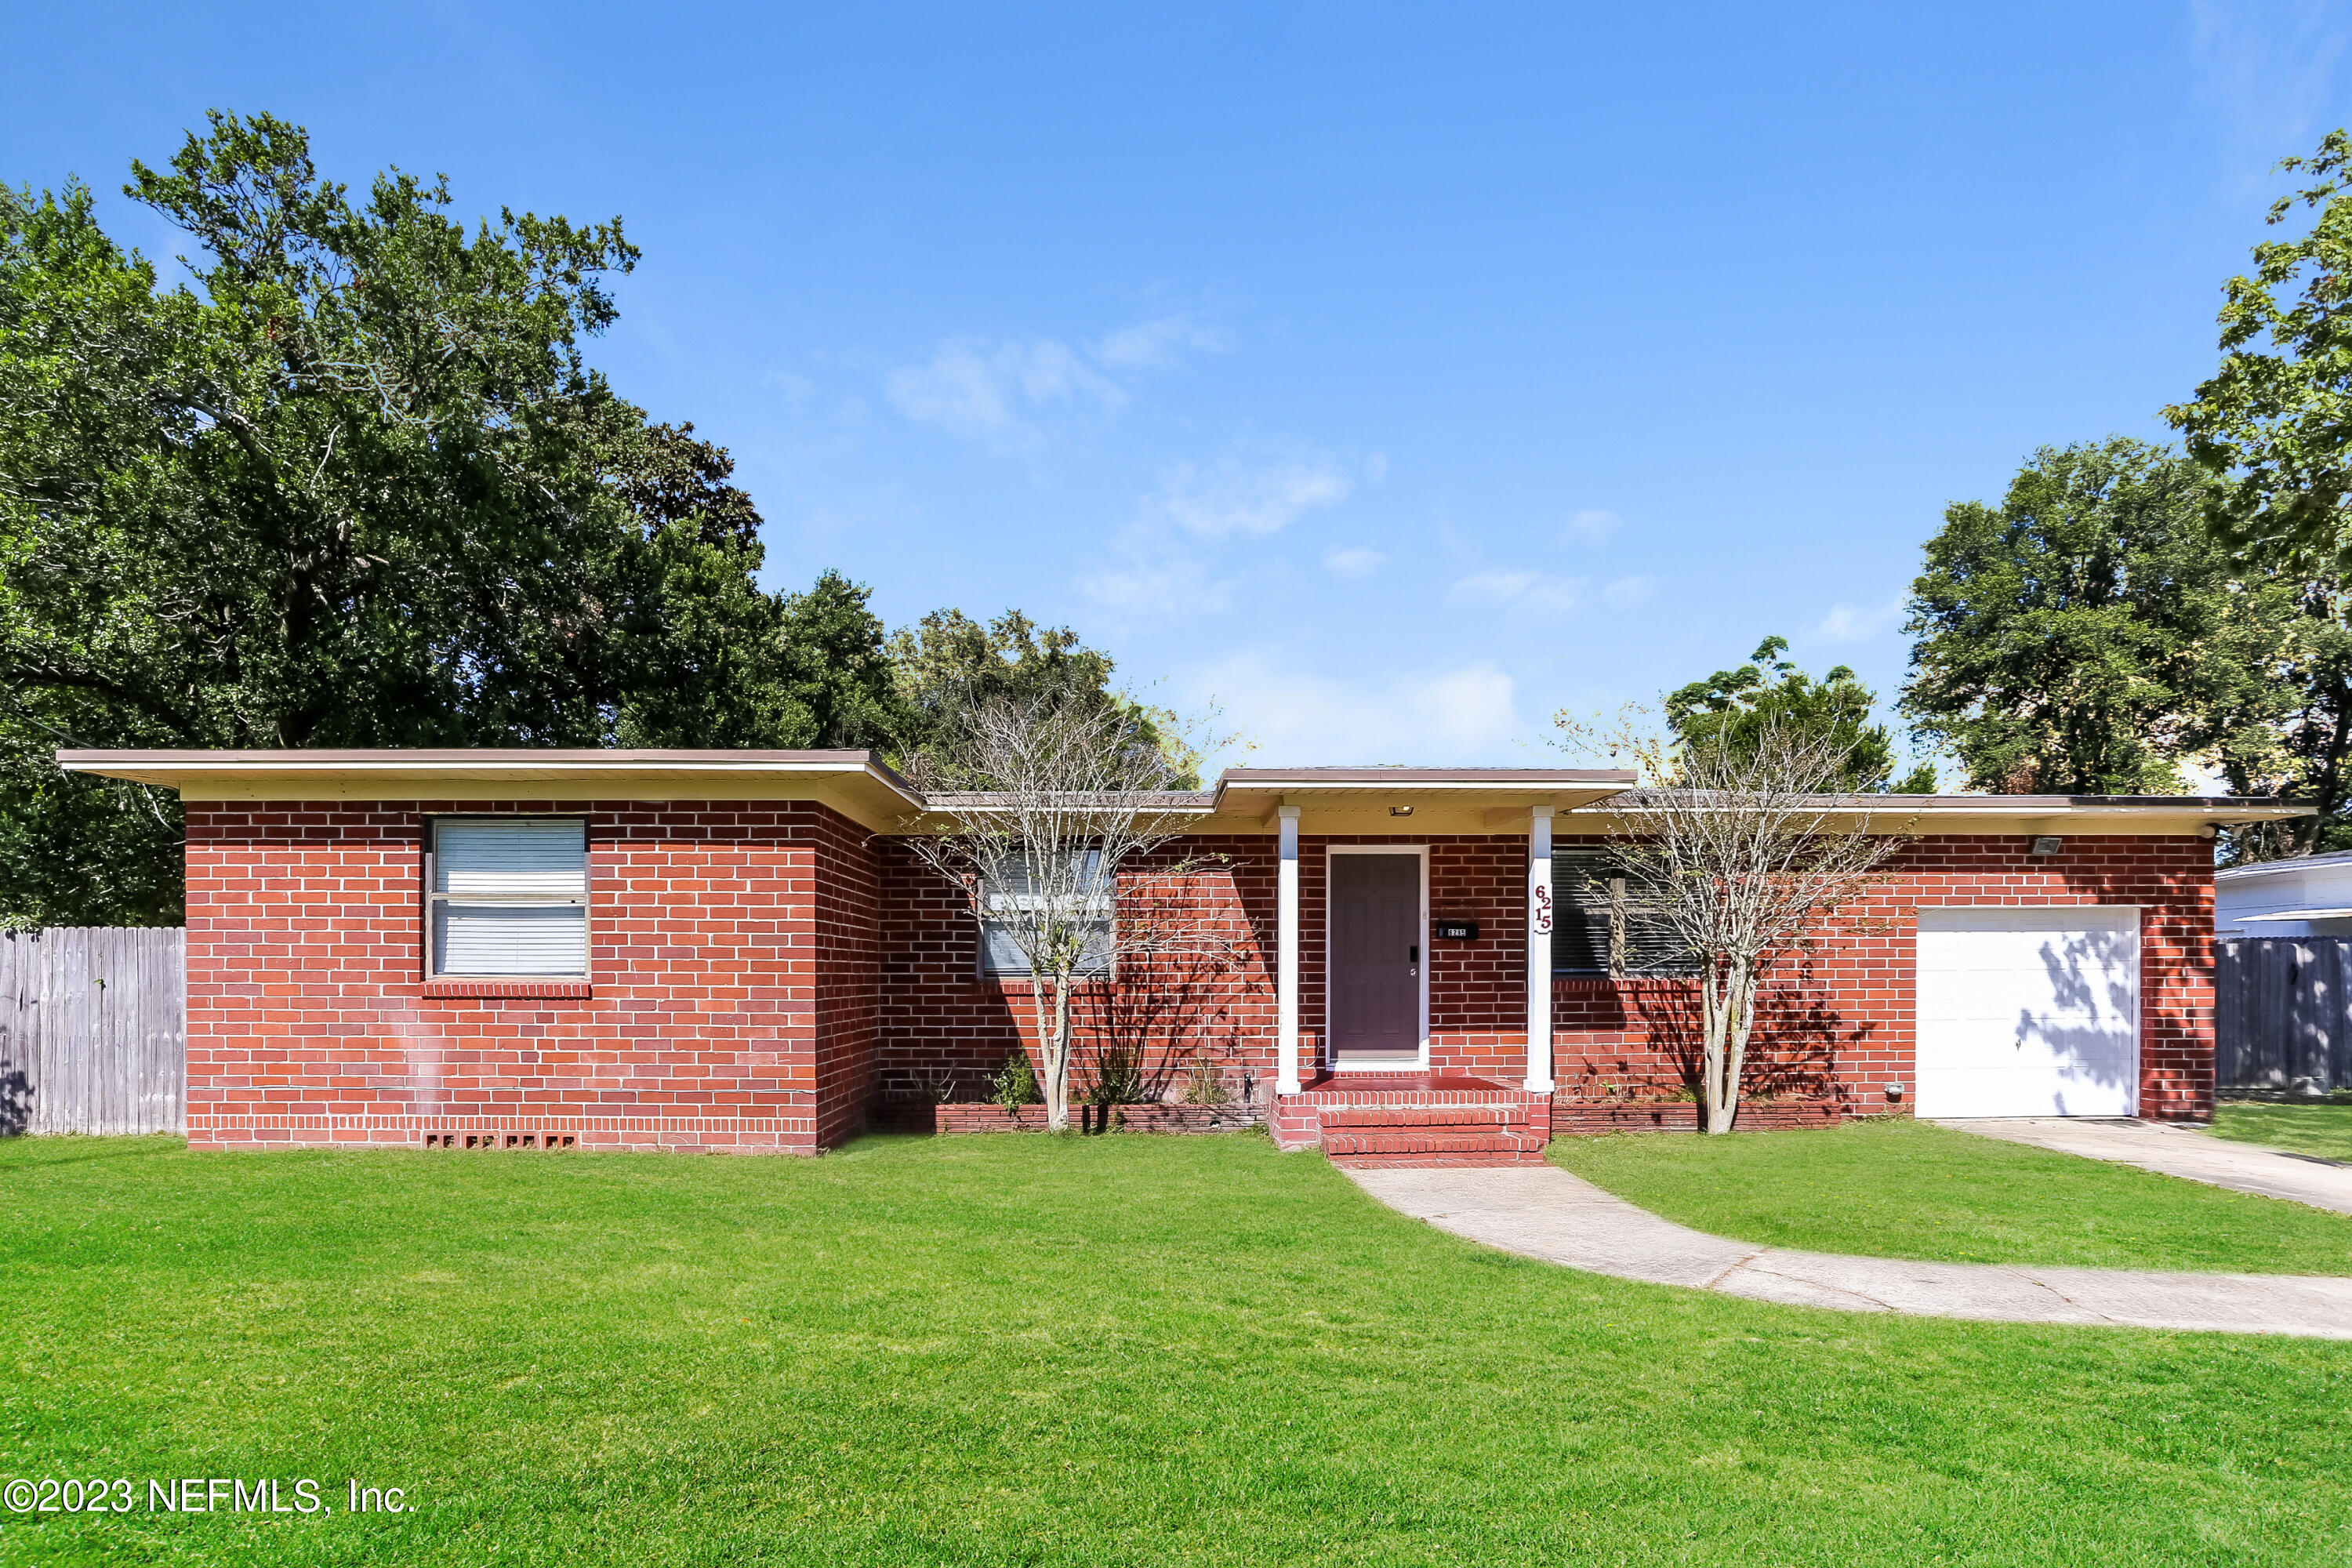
{"x":93,"y":1030}
{"x":2282,"y":1017}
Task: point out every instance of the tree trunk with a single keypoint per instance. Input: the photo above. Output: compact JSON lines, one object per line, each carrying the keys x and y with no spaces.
{"x":1048,"y":1077}
{"x":1057,"y":1058}
{"x":1712,"y":1034}
{"x":1739,"y":1020}
{"x":1727,"y":1011}
{"x":2304,"y":836}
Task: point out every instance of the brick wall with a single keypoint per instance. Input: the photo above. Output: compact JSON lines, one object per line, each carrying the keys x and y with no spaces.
{"x":848,"y":894}
{"x":1838,"y":1021}
{"x":762,"y":973}
{"x":727,"y":1008}
{"x":939,"y":1015}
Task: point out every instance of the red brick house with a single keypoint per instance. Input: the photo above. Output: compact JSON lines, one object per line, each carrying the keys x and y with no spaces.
{"x":727,"y":951}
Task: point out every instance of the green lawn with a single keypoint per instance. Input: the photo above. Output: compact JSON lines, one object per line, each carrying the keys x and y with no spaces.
{"x":1024,"y":1350}
{"x":2321,"y":1130}
{"x":1899,"y":1188}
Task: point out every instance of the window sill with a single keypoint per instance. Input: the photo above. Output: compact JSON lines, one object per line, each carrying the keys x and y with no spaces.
{"x":1022,"y":984}
{"x":508,"y":985}
{"x":1585,"y":977}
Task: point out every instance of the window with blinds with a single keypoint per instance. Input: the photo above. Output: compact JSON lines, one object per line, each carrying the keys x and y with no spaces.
{"x":1000,"y":955}
{"x":1600,"y":923}
{"x":507,"y":896}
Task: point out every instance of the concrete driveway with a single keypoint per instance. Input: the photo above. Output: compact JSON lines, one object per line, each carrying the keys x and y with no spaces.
{"x":2174,"y":1149}
{"x":1541,"y":1211}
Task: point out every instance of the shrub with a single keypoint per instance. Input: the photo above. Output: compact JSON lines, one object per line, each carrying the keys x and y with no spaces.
{"x":1119,"y":1076}
{"x":1016,"y":1083}
{"x":1204,"y":1083}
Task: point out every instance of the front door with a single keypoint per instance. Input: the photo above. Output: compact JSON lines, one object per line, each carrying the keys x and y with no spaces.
{"x":1376,"y":957}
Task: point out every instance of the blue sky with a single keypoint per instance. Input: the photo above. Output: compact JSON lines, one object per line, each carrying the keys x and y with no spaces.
{"x":1391,"y":376}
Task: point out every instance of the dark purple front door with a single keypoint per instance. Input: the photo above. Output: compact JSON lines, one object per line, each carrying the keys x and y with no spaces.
{"x":1375,"y":956}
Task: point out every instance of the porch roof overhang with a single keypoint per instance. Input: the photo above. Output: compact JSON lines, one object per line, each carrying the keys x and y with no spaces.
{"x":1402,"y":800}
{"x":2053,"y":816}
{"x":1405,"y":802}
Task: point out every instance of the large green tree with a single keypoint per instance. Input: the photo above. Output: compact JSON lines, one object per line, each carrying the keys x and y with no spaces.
{"x":350,"y":483}
{"x":948,"y":666}
{"x":2270,"y":427}
{"x":2269,"y":424}
{"x":1732,"y":710}
{"x":2089,"y":636}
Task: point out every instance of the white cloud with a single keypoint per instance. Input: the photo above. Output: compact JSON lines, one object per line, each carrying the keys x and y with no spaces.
{"x":994,"y":393}
{"x":2268,"y":66}
{"x":1536,"y":593}
{"x":1237,"y":496}
{"x":1299,"y":717}
{"x":1844,"y":623}
{"x":1592,"y":526}
{"x":1012,"y":394}
{"x":1359,"y":561}
{"x":1160,"y":344}
{"x":797,"y":388}
{"x":1163,"y":562}
{"x":1630,"y":590}
{"x":1151,"y":575}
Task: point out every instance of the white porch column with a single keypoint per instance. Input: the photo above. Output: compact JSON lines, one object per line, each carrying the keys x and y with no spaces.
{"x":1539,"y":923}
{"x":1285,"y":974}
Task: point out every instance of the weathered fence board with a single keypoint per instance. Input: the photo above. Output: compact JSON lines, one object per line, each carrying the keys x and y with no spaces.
{"x":2283,"y":1015}
{"x":93,"y":1030}
{"x":20,"y":1031}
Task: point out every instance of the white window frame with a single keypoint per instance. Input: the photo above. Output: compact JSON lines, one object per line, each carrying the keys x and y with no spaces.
{"x":433,"y":825}
{"x":1325,"y":1050}
{"x":985,"y":967}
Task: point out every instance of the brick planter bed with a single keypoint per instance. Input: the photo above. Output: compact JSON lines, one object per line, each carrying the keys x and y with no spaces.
{"x":1149,"y":1117}
{"x":1571,"y":1118}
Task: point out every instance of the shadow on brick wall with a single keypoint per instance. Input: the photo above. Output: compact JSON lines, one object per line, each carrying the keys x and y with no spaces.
{"x":1182,"y":1011}
{"x":1792,"y":1052}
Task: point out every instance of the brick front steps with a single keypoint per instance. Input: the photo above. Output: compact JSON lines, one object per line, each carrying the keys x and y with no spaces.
{"x":1407,"y":1120}
{"x":1571,"y":1118}
{"x":1150,"y":1117}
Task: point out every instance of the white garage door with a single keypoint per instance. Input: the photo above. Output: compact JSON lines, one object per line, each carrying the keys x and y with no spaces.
{"x":2029,"y":1012}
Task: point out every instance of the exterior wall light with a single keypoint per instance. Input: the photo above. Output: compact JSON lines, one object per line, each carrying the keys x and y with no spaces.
{"x":2045,"y":846}
{"x":1400,"y":811}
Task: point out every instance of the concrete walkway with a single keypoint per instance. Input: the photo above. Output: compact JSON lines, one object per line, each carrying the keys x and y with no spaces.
{"x":2173,"y":1149}
{"x":1541,"y":1211}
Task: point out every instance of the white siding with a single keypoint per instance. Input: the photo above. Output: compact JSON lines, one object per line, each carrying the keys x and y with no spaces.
{"x":2318,"y":885}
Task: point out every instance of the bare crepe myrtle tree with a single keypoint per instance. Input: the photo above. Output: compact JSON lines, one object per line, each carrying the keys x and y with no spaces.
{"x":1740,"y":851}
{"x":1051,"y":815}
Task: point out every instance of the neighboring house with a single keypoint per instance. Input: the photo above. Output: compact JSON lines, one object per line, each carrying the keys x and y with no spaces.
{"x":2309,"y":897}
{"x":726,"y":949}
{"x":2280,"y":1019}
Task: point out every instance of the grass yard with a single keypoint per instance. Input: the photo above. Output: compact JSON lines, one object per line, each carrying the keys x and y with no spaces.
{"x":2321,"y":1130}
{"x":1899,"y":1188}
{"x":1024,"y":1349}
